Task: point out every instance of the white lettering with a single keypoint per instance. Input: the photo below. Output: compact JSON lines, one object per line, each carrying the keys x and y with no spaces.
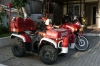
{"x":64,"y":34}
{"x":51,"y":34}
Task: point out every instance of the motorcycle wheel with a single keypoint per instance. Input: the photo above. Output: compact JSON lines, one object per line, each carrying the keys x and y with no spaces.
{"x":81,"y":43}
{"x":48,"y":54}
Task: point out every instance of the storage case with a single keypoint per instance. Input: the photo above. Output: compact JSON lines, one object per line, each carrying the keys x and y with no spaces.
{"x":18,"y":25}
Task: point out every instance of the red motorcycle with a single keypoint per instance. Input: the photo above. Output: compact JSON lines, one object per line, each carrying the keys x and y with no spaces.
{"x":75,"y":26}
{"x":77,"y":39}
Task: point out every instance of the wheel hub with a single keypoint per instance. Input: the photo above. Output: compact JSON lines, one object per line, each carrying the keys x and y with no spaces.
{"x":47,"y":55}
{"x":16,"y":49}
{"x":82,"y":42}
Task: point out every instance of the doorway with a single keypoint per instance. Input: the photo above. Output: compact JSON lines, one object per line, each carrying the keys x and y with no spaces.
{"x":94,"y":14}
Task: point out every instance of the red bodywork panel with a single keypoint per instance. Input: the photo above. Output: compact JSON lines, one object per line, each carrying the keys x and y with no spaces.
{"x":72,"y":27}
{"x":77,"y":24}
{"x":29,"y":24}
{"x":27,"y":38}
{"x":65,"y":42}
{"x":57,"y":33}
{"x":44,"y":18}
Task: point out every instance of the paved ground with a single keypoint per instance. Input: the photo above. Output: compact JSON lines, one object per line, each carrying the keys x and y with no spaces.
{"x":91,"y":57}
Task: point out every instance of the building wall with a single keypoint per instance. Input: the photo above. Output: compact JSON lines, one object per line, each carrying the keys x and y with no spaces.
{"x":86,"y":9}
{"x":90,"y":0}
{"x":89,"y":12}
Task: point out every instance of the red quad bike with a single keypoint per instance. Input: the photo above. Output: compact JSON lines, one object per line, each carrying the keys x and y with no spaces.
{"x":81,"y":42}
{"x":48,"y":44}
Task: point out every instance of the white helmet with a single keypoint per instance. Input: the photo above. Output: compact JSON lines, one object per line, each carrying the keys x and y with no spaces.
{"x":48,"y":21}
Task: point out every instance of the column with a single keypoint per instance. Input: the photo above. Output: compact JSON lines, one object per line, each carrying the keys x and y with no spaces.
{"x":98,"y":15}
{"x":64,"y":9}
{"x":80,"y":8}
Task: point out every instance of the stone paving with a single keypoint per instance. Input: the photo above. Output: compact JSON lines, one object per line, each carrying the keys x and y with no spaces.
{"x":91,"y":57}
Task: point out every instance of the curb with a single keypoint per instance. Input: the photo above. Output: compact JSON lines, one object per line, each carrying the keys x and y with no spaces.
{"x":6,"y":41}
{"x":2,"y":65}
{"x":91,"y":34}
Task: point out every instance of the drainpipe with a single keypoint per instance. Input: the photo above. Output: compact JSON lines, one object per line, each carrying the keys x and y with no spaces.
{"x":98,"y":15}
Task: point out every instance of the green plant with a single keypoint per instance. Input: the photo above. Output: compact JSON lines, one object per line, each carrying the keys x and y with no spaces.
{"x":2,"y":14}
{"x":18,"y":4}
{"x":3,"y":30}
{"x":5,"y":35}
